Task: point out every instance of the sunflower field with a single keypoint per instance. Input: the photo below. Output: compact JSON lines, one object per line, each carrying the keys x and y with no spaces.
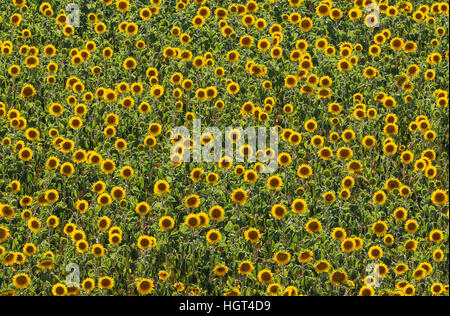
{"x":96,"y":197}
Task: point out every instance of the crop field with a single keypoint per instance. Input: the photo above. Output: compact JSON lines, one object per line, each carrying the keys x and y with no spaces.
{"x":224,"y":148}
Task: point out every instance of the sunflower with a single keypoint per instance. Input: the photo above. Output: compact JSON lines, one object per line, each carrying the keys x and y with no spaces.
{"x":142,"y":208}
{"x":26,"y":214}
{"x":275,"y":183}
{"x":26,"y":201}
{"x":274,"y":289}
{"x":213,"y":236}
{"x":334,"y":108}
{"x":278,"y":211}
{"x":322,"y":266}
{"x":108,"y":166}
{"x":304,"y":171}
{"x":379,"y":228}
{"x":265,"y":276}
{"x":81,"y":245}
{"x":438,"y":255}
{"x":179,"y":286}
{"x":9,"y":259}
{"x":31,"y":62}
{"x":146,"y":242}
{"x":344,"y":65}
{"x":339,"y":234}
{"x":106,"y":283}
{"x":253,"y":235}
{"x":379,"y":198}
{"x":407,"y":157}
{"x":14,"y":186}
{"x":381,"y":270}
{"x":282,"y":257}
{"x":75,"y":123}
{"x":104,"y":199}
{"x":366,"y":291}
{"x":8,"y":293}
{"x":430,"y":135}
{"x":329,"y":197}
{"x":295,"y":138}
{"x":420,"y":165}
{"x":192,"y":201}
{"x":122,"y":5}
{"x":370,"y":72}
{"x":401,"y":285}
{"x":126,"y":172}
{"x":290,"y":81}
{"x":98,"y":250}
{"x":161,"y":187}
{"x":375,"y":252}
{"x":338,"y":277}
{"x":400,"y":269}
{"x":348,"y":135}
{"x":306,"y":24}
{"x":239,"y":196}
{"x":17,"y":147}
{"x":34,"y":225}
{"x":345,"y":153}
{"x":21,"y":281}
{"x":6,"y":211}
{"x":145,"y":286}
{"x":245,"y":268}
{"x":216,"y":213}
{"x":419,"y":274}
{"x":69,"y":30}
{"x":115,"y":239}
{"x":250,"y":176}
{"x":436,"y":236}
{"x":409,"y":290}
{"x":224,"y":163}
{"x":192,"y":221}
{"x":28,"y":91}
{"x":20,"y":258}
{"x":129,"y":63}
{"x":104,"y":223}
{"x":14,"y":70}
{"x":299,"y":206}
{"x":163,"y":275}
{"x":198,"y":21}
{"x":69,"y":229}
{"x":317,"y":141}
{"x":437,"y":288}
{"x":196,"y":174}
{"x":411,"y":226}
{"x":29,"y":249}
{"x":439,"y":197}
{"x":388,"y":240}
{"x":99,"y":187}
{"x":166,"y":223}
{"x":59,"y":289}
{"x":348,"y":182}
{"x":313,"y":226}
{"x":348,"y":245}
{"x":233,"y":88}
{"x":427,"y":267}
{"x":88,"y":285}
{"x":220,"y":270}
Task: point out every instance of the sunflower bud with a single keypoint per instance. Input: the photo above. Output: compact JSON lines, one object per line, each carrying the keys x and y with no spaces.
{"x":123,"y":203}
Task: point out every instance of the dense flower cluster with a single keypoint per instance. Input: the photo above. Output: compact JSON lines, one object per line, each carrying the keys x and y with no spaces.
{"x":356,"y":90}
